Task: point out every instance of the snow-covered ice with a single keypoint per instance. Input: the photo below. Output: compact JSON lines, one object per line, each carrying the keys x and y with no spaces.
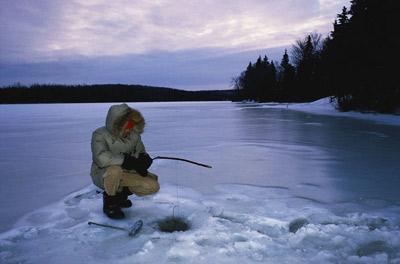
{"x":238,"y":224}
{"x":286,"y":186}
{"x":326,"y":106}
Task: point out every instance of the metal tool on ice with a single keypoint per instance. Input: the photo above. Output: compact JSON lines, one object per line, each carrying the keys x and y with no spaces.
{"x":131,"y":231}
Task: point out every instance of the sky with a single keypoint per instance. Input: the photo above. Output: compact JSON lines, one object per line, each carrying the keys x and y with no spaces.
{"x":191,"y":45}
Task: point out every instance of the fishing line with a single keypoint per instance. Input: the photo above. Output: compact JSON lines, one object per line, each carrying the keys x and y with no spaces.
{"x":176,"y":223}
{"x":176,"y":175}
{"x":177,"y":190}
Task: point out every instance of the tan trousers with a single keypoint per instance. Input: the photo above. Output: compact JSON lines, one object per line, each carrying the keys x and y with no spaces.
{"x":115,"y":178}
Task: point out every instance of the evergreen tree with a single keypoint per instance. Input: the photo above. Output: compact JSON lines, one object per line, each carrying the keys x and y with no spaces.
{"x":306,"y":54}
{"x":248,"y":80}
{"x":286,"y":78}
{"x":343,"y":17}
{"x":359,"y":53}
{"x":354,"y":63}
{"x":258,"y":82}
{"x":273,"y":82}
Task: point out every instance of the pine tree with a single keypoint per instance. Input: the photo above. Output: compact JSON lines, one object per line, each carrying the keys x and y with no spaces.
{"x":249,"y":81}
{"x":286,"y":79}
{"x":305,"y":70}
{"x":343,"y":17}
{"x":358,"y":54}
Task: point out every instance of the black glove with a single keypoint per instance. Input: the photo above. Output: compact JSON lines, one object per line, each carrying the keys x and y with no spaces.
{"x":137,"y":164}
{"x":145,"y":159}
{"x":141,"y":170}
{"x":130,"y":162}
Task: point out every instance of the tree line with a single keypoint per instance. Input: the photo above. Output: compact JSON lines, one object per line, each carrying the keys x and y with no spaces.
{"x":355,"y":64}
{"x":54,"y":93}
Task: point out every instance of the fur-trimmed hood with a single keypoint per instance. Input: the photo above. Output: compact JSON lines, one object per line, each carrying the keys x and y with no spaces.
{"x":108,"y":144}
{"x":118,"y":115}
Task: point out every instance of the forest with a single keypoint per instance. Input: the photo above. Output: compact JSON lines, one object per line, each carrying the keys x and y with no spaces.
{"x":355,"y":64}
{"x":56,"y":93}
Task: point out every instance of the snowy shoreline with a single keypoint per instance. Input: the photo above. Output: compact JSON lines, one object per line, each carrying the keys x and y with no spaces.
{"x":325,"y":107}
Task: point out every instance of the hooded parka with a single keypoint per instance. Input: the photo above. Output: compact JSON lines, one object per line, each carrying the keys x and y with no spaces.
{"x":108,"y":144}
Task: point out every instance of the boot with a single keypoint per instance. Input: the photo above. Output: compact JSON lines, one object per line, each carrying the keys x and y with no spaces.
{"x":124,"y":202}
{"x":111,"y":206}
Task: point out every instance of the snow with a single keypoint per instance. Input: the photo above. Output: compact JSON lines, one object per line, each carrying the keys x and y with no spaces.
{"x":286,"y":186}
{"x":324,"y":106}
{"x":239,"y":224}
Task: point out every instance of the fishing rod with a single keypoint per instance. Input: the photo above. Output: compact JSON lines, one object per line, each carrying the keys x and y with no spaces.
{"x":185,"y":160}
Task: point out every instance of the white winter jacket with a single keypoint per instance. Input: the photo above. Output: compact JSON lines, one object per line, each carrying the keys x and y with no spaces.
{"x":108,"y":145}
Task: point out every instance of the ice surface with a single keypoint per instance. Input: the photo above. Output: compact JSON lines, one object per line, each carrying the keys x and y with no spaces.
{"x":237,"y":224}
{"x":331,"y":180}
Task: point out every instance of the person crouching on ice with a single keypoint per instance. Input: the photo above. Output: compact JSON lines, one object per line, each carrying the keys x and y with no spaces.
{"x":120,"y":161}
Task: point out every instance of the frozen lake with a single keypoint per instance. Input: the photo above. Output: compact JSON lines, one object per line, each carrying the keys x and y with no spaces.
{"x":272,"y":168}
{"x":334,"y":161}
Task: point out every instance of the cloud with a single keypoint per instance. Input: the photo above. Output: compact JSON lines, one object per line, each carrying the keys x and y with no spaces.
{"x":187,"y":69}
{"x":34,"y":31}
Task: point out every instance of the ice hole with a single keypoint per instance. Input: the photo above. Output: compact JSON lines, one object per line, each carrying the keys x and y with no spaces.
{"x":172,"y":224}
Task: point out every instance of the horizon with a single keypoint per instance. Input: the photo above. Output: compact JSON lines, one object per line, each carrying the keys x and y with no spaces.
{"x":189,"y":46}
